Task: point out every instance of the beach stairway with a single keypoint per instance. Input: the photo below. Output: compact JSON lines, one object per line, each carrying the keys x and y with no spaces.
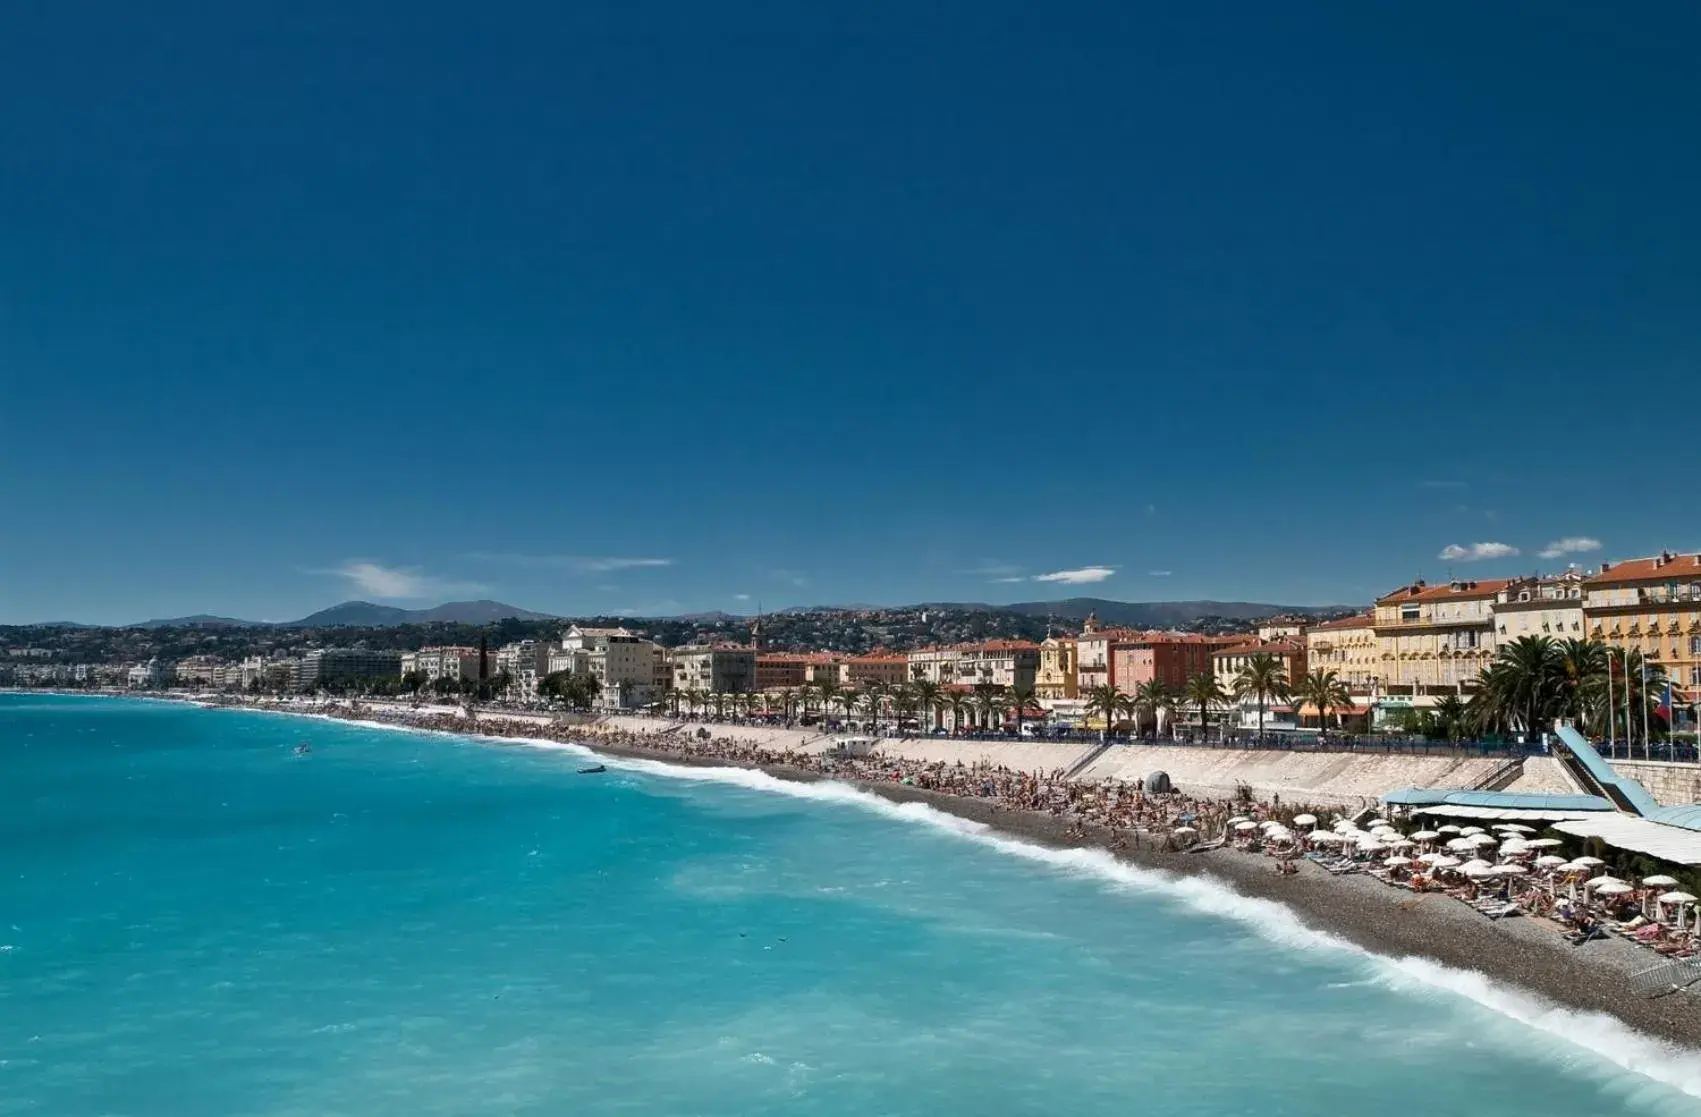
{"x":1586,"y":766}
{"x":1501,"y":777}
{"x":1086,"y":761}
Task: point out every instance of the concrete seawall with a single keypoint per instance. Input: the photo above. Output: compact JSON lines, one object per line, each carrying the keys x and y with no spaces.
{"x":1671,"y":785}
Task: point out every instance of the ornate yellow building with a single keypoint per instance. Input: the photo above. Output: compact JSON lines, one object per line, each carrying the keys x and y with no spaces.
{"x":1056,"y":678}
{"x":1651,"y":605}
{"x":1435,"y":639}
{"x":1349,"y":648}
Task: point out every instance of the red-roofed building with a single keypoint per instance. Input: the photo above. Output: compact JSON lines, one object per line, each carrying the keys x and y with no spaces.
{"x":1436,"y":639}
{"x":1651,"y":605}
{"x":1006,"y":663}
{"x":1347,"y":647}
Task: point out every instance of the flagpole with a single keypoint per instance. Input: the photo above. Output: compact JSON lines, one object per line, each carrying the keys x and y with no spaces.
{"x":1612,"y":713}
{"x":1647,"y":745}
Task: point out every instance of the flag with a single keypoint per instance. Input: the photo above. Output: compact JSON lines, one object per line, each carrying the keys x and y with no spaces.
{"x":1664,"y":708}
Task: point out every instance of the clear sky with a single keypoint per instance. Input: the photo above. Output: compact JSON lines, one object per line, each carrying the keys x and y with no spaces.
{"x":673,"y":306}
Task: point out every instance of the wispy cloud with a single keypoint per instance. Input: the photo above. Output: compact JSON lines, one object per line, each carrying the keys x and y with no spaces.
{"x":1160,"y":573}
{"x":1010,"y":578}
{"x":1079,"y":577}
{"x":996,"y":570}
{"x":741,"y":597}
{"x":399,"y":583}
{"x":1476,"y":552}
{"x":1441,"y":485}
{"x":1570,"y":545}
{"x":581,"y":564}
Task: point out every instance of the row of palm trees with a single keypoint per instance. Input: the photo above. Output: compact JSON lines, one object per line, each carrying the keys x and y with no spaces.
{"x":1263,"y":679}
{"x":923,"y":699}
{"x":1533,"y":681}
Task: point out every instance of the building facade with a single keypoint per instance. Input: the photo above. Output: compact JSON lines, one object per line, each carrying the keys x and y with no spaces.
{"x":1056,"y":680}
{"x":1170,"y":658}
{"x":325,"y":665}
{"x":716,"y":669}
{"x":887,"y":670}
{"x":1548,"y":606}
{"x":1349,"y":648}
{"x":1006,"y":663}
{"x":1434,"y":640}
{"x":1653,"y":606}
{"x":442,"y":662}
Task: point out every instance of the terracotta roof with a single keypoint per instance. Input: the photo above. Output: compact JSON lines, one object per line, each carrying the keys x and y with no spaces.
{"x":1000,"y":646}
{"x":1467,"y":591}
{"x":1654,"y":568}
{"x":1362,"y":620}
{"x":1111,"y":634}
{"x":1274,"y":647}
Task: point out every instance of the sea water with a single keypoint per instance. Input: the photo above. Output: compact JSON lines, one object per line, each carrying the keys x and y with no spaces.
{"x":194,"y":921}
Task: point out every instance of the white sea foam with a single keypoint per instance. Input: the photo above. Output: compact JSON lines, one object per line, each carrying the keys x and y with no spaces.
{"x":1604,"y":1036}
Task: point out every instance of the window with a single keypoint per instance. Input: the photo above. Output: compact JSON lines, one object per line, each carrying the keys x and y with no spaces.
{"x":1695,"y":645}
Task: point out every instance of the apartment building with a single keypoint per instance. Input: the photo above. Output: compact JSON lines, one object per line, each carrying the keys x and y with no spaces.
{"x":1651,"y":605}
{"x":1434,"y":640}
{"x":1056,"y":679}
{"x":1169,"y":657}
{"x":716,"y":669}
{"x":1545,"y":606}
{"x":886,"y":669}
{"x":324,"y":665}
{"x":1349,"y":648}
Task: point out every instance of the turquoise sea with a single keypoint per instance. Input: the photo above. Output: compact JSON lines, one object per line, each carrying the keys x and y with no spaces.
{"x":196,"y":922}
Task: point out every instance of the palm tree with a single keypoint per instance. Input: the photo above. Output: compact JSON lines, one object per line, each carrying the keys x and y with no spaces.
{"x":988,"y":700}
{"x":1108,"y":701}
{"x":1450,"y":717}
{"x":828,"y":693}
{"x":904,"y":704}
{"x":927,"y":694}
{"x":1324,"y":690}
{"x":1264,"y":677}
{"x":1204,"y":691}
{"x":958,"y":703}
{"x":787,"y":700}
{"x":1152,"y":697}
{"x":872,"y":697}
{"x":1022,"y":699}
{"x":848,"y":698}
{"x":718,"y":701}
{"x":806,"y":695}
{"x":1526,"y":680}
{"x":1583,"y":664}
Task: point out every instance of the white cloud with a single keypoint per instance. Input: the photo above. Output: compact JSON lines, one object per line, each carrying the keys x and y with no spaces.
{"x":582,"y":564}
{"x":1012,"y":578}
{"x":1160,"y":573}
{"x":741,"y":597}
{"x":398,"y":582}
{"x":1570,"y":545}
{"x":1083,"y":576}
{"x":1476,"y":552}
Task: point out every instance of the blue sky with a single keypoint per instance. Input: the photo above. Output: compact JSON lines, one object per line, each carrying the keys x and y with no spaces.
{"x":667,"y":307}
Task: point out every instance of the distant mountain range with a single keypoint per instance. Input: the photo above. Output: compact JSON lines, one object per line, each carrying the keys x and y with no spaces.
{"x":1119,"y":614}
{"x":364,"y":614}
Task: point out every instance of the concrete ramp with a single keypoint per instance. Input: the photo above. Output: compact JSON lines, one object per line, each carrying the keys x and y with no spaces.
{"x":1598,"y":777}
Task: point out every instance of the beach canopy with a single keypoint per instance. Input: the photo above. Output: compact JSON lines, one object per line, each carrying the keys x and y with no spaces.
{"x":1396,"y":860}
{"x":1659,"y":882}
{"x":1248,"y":825}
{"x":1604,"y":878}
{"x":1614,"y":888}
{"x":1590,"y":861}
{"x":1426,"y":835}
{"x":1548,"y":861}
{"x":1515,"y":827}
{"x":1403,"y":843}
{"x":1305,"y":820}
{"x":1442,"y":861}
{"x":1448,"y":829}
{"x":1675,"y":898}
{"x":1378,"y":821}
{"x":1463,"y":845}
{"x":1543,"y":843}
{"x":1469,"y":830}
{"x":1238,"y":818}
{"x":1510,"y":870}
{"x":1482,"y":840}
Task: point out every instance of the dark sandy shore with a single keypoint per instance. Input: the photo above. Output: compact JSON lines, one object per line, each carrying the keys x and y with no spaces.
{"x":1521,"y":952}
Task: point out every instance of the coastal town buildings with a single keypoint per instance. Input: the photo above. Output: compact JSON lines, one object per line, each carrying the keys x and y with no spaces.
{"x":1227,"y":663}
{"x":1006,"y":663}
{"x":1167,"y":657}
{"x":325,"y":665}
{"x":152,"y":675}
{"x":1057,"y":680}
{"x":777,"y":671}
{"x":1544,"y":606}
{"x":1434,"y":640}
{"x":887,"y":670}
{"x":1348,"y":647}
{"x":1095,"y":654}
{"x":716,"y":669}
{"x":1651,"y":605}
{"x":442,"y":662}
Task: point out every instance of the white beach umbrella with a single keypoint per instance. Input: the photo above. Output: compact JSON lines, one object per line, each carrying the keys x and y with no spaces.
{"x":1574,"y":867}
{"x":1469,"y":830}
{"x":1377,"y":821}
{"x":1344,"y":824}
{"x":1675,"y":898}
{"x":1239,"y":818}
{"x":1324,"y":837}
{"x":1305,"y":820}
{"x":1549,"y":861}
{"x":1445,"y":862}
{"x":1613,"y":888}
{"x":1510,"y":870}
{"x":1426,"y":835}
{"x":1516,"y":828}
{"x":1268,"y":824}
{"x":1482,"y":841}
{"x":1660,"y":881}
{"x":1476,"y":863}
{"x":1461,"y":845}
{"x":1448,"y":829}
{"x":1433,"y":858}
{"x":1184,"y":830}
{"x":1396,"y":861}
{"x":1404,"y":843}
{"x":1247,"y":825}
{"x":1607,"y":878}
{"x":1477,"y":872}
{"x":1544,"y":843}
{"x":1590,"y":861}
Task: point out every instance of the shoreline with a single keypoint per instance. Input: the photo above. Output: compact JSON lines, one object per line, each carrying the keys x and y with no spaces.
{"x":1522,"y":955}
{"x":1357,"y":909}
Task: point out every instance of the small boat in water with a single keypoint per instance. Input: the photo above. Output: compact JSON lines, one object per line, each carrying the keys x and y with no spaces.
{"x":592,"y":770}
{"x":303,"y":749}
